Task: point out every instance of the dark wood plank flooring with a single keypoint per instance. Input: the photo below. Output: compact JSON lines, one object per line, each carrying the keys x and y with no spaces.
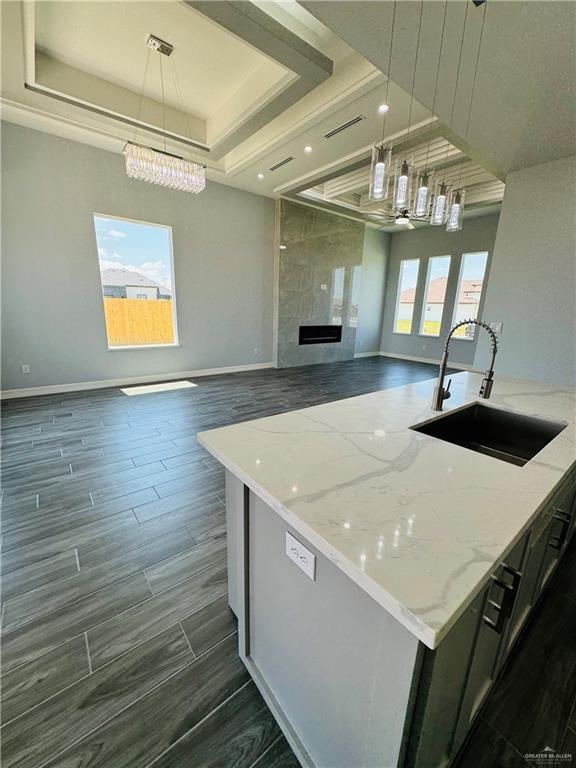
{"x":119,"y":649}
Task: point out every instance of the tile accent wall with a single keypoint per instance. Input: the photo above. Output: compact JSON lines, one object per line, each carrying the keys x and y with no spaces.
{"x":320,"y":274}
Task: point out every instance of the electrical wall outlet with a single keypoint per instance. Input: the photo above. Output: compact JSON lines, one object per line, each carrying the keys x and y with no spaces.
{"x":497,"y":327}
{"x":303,"y":558}
{"x":25,"y":368}
{"x":256,"y":350}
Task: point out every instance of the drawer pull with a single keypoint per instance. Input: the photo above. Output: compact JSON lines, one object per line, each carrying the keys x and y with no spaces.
{"x":504,"y":608}
{"x":557,"y":540}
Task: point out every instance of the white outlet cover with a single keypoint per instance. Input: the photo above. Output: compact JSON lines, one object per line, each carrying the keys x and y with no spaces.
{"x":303,"y":558}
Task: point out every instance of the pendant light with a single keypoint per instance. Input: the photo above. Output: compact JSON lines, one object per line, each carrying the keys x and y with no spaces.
{"x":455,"y":207}
{"x":443,"y":200}
{"x":405,"y":168}
{"x":161,"y":167}
{"x":402,"y":185}
{"x":441,"y":204}
{"x":455,"y":218}
{"x":423,"y":193}
{"x":381,"y":153}
{"x":380,"y":172}
{"x":456,"y":215}
{"x":425,"y":182}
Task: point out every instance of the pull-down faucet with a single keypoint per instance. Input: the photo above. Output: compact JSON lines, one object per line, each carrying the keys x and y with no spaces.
{"x":442,"y":393}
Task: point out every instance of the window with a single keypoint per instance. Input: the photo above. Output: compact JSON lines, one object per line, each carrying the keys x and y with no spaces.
{"x":469,"y":293}
{"x":355,"y":298}
{"x":406,"y":295}
{"x":434,"y":295}
{"x":136,"y":263}
{"x":337,"y":295}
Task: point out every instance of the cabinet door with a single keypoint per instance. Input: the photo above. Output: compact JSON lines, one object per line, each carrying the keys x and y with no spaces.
{"x":557,"y":536}
{"x":527,"y":592}
{"x":499,"y":599}
{"x":571,"y":510}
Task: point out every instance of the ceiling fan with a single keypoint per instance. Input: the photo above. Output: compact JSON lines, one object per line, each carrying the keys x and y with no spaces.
{"x":402,"y":218}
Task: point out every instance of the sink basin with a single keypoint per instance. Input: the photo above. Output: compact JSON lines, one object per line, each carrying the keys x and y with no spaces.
{"x":505,"y":435}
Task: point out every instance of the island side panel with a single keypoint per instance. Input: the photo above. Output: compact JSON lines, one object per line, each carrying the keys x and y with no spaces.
{"x":339,"y":666}
{"x":234,"y":512}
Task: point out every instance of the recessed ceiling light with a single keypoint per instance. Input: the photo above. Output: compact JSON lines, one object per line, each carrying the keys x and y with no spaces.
{"x":383,"y":108}
{"x":308,"y":149}
{"x":260,"y":175}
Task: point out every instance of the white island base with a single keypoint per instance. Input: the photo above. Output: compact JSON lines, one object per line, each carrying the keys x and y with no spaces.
{"x":350,"y":686}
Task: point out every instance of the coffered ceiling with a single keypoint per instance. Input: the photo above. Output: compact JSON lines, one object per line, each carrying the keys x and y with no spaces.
{"x":347,"y":190}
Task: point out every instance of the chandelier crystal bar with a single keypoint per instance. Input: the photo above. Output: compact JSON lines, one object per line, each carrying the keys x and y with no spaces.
{"x":146,"y":164}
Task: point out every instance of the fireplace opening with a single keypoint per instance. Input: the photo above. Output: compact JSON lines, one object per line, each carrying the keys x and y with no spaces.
{"x":320,"y":334}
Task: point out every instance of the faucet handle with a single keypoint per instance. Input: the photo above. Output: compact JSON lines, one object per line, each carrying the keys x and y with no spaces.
{"x":447,"y":392}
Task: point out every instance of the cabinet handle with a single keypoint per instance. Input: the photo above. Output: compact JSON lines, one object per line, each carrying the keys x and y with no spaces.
{"x":556,"y":541}
{"x":504,"y":608}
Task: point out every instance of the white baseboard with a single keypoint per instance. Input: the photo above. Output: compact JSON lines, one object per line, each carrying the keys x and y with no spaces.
{"x":432,"y":361}
{"x":56,"y":389}
{"x":367,"y":354}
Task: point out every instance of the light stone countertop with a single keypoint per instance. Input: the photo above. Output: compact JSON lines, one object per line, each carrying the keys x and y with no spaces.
{"x":418,"y":523}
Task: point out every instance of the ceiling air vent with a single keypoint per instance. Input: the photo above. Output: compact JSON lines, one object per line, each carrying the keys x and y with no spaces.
{"x":281,"y":163}
{"x":344,"y":126}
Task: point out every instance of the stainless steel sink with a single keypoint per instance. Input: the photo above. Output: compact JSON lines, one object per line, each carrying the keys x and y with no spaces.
{"x":505,"y":435}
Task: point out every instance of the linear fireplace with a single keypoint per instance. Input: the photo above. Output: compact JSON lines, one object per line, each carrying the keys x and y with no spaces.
{"x":320,"y":334}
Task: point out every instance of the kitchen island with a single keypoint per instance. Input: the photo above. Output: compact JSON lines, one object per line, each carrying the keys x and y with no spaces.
{"x":380,"y":575}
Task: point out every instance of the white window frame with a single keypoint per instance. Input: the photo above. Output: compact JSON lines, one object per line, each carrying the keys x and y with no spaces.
{"x":399,"y":291}
{"x":424,"y":302}
{"x":132,"y":347}
{"x":455,"y":310}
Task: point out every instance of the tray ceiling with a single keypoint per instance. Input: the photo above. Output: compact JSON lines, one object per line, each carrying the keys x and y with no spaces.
{"x":108,"y":40}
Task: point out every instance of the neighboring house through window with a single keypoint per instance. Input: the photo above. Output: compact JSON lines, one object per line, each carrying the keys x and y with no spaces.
{"x":136,"y":263}
{"x":406,"y":295}
{"x":469,"y":293}
{"x":434,"y":295}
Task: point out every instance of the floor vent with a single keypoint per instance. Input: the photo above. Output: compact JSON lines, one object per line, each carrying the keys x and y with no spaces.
{"x":281,"y":163}
{"x":344,"y":126}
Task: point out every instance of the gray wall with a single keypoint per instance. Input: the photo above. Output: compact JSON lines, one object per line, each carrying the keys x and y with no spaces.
{"x":374,"y":260}
{"x":478,"y":234}
{"x":318,"y":246}
{"x":533,"y":275}
{"x":52,"y":313}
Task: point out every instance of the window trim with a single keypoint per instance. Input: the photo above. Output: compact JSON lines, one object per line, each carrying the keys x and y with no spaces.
{"x":424,"y":302}
{"x":128,"y":348}
{"x":457,"y":294}
{"x":398,"y":292}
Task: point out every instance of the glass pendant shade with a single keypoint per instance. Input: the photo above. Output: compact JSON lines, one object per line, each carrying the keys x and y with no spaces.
{"x":423,"y":194}
{"x":440,"y":204}
{"x":456,"y":211}
{"x":380,"y":172}
{"x":402,"y":185}
{"x":146,"y":164}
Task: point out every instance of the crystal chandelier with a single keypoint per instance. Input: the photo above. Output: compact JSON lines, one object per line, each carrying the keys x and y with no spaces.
{"x":156,"y":166}
{"x":146,"y":164}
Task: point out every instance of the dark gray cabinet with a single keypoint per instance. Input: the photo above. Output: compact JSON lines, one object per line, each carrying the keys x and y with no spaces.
{"x":499,"y":602}
{"x":457,"y":677}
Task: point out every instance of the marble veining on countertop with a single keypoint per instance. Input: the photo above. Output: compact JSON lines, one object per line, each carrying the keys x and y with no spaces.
{"x":418,"y":523}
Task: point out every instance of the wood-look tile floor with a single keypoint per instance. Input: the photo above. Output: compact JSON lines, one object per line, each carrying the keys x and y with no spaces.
{"x":118,"y":648}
